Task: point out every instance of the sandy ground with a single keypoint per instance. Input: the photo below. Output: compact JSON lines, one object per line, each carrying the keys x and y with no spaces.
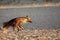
{"x":42,"y":34}
{"x":31,"y":5}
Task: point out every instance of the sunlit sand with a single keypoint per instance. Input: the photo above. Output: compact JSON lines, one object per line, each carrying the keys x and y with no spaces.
{"x":43,"y":34}
{"x":31,"y":5}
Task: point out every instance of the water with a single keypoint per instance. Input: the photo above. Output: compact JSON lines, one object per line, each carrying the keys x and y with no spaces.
{"x":42,"y":17}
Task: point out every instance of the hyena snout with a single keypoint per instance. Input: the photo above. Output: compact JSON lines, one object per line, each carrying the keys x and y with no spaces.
{"x":30,"y":21}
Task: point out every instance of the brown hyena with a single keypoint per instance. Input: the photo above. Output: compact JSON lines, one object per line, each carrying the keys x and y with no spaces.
{"x":17,"y":22}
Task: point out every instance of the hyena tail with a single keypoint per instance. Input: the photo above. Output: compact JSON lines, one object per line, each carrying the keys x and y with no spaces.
{"x":5,"y":25}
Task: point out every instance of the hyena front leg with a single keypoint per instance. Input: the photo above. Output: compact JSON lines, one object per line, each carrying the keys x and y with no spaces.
{"x":20,"y":28}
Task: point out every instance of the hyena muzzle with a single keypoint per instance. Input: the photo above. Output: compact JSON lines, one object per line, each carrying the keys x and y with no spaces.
{"x":17,"y":22}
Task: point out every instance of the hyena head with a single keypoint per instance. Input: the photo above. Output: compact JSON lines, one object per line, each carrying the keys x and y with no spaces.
{"x":29,"y":19}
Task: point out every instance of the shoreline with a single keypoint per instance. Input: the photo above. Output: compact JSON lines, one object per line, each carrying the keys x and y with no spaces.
{"x":30,"y":5}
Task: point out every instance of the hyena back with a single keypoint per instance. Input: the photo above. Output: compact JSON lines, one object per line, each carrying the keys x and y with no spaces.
{"x":17,"y":22}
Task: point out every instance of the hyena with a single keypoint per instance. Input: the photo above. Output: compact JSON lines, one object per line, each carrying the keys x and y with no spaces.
{"x":17,"y":22}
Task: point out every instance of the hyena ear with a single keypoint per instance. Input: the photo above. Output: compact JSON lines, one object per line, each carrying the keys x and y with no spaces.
{"x":27,"y":16}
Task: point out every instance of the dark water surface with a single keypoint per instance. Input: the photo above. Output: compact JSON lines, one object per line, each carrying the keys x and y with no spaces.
{"x":42,"y":17}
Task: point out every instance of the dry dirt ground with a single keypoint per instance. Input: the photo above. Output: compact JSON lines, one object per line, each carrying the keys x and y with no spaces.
{"x":42,"y":34}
